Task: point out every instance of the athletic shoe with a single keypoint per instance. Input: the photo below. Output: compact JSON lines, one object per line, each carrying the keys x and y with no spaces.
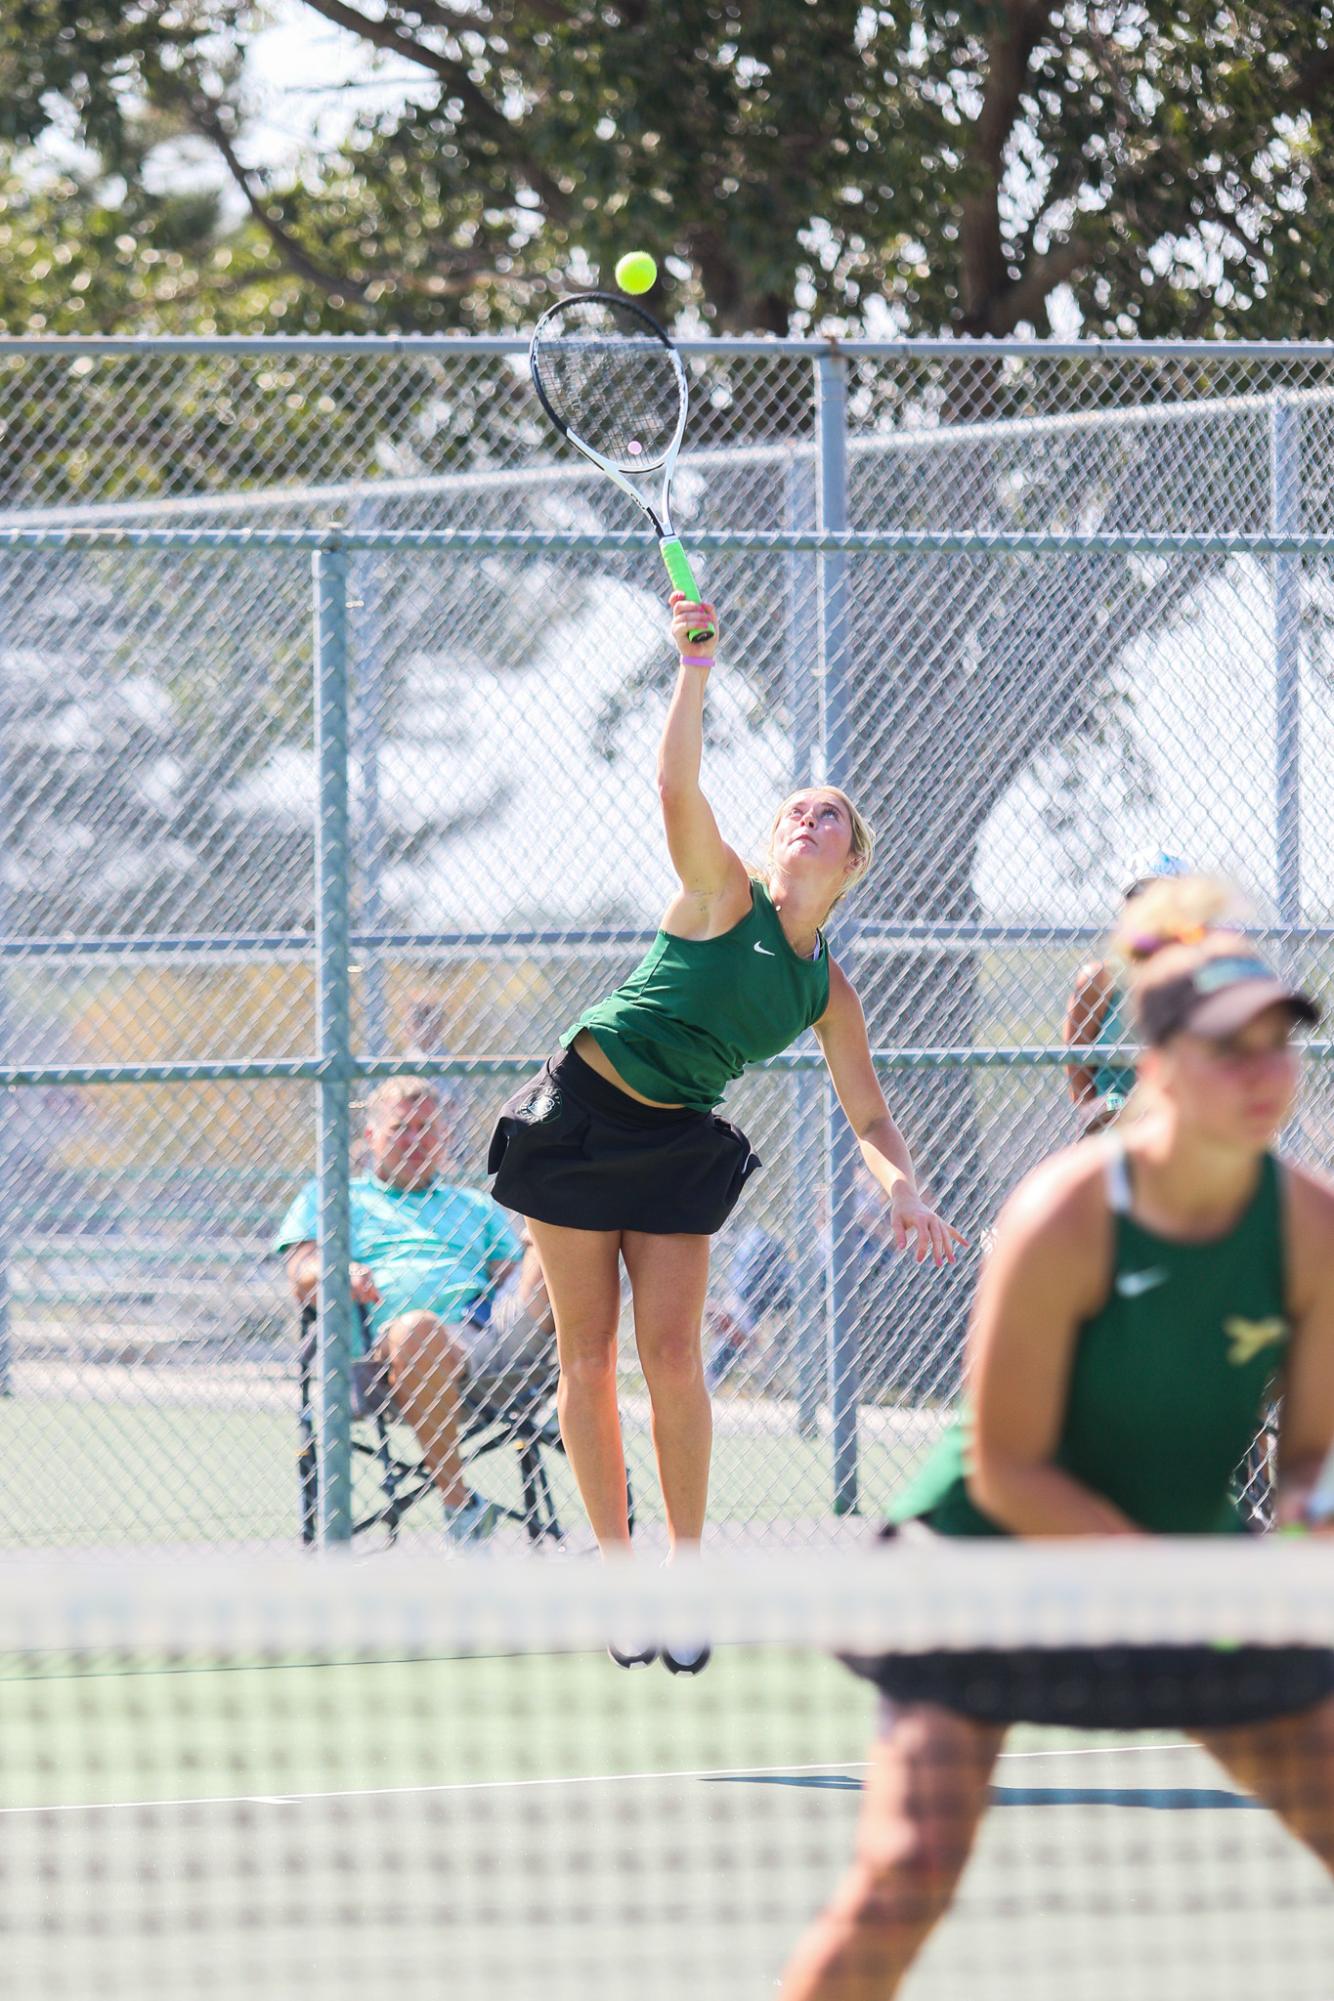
{"x":474,"y":1521}
{"x":686,"y":1660}
{"x":633,"y":1657}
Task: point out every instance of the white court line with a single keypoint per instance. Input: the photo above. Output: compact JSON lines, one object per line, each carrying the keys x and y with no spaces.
{"x":397,"y":1791}
{"x":514,"y":1785}
{"x":1101,"y":1750}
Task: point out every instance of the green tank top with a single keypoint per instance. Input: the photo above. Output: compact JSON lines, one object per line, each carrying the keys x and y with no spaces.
{"x":696,"y":1012}
{"x":1169,"y":1381}
{"x":1112,"y":1080}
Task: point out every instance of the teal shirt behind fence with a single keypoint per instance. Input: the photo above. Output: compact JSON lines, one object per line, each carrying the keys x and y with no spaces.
{"x":1113,"y":1080}
{"x":430,"y":1249}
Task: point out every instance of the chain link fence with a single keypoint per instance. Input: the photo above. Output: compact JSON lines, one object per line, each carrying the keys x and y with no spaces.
{"x":331,"y":687}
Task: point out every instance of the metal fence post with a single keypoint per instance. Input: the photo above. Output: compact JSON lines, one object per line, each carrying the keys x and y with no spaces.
{"x":1286,"y":519}
{"x":368,"y":708}
{"x":835,"y":670}
{"x":7,"y":1054}
{"x":811,"y":1292}
{"x":334,"y":1029}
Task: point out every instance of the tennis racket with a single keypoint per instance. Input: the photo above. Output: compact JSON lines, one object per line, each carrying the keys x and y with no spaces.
{"x":612,"y":383}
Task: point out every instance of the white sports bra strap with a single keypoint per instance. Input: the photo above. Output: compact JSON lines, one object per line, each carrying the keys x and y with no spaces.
{"x":1118,"y":1180}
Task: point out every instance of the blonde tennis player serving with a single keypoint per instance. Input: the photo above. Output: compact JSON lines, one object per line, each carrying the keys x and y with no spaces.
{"x":616,"y":1151}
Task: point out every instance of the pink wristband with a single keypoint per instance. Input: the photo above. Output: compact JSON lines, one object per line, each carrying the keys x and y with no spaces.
{"x":696,"y":660}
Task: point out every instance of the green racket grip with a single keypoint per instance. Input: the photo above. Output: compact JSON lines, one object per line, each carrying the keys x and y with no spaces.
{"x":683,"y":579}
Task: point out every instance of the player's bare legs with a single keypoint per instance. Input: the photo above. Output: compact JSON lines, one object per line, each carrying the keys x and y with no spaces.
{"x":583,"y":1277}
{"x":669,"y":1276}
{"x":1289,"y":1764}
{"x":926,"y":1791}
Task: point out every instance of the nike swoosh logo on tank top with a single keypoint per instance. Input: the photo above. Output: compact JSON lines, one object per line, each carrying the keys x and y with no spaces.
{"x":1130,"y":1284}
{"x":765,"y":949}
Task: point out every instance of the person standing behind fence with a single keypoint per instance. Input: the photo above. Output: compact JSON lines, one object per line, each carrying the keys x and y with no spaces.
{"x":759,"y":1290}
{"x":615,"y":1150}
{"x":429,"y":1042}
{"x":1095,"y":1016}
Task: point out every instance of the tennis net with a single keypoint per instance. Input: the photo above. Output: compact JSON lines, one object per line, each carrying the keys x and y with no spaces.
{"x":406,"y":1779}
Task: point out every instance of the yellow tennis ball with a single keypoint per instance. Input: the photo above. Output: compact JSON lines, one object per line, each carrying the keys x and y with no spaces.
{"x":636,"y":271}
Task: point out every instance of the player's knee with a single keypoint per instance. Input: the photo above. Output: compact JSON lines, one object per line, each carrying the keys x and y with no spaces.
{"x":673,"y":1359}
{"x":590,"y":1366}
{"x":419,"y":1343}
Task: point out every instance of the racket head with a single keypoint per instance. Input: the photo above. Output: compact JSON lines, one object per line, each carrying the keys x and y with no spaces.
{"x":610,"y":380}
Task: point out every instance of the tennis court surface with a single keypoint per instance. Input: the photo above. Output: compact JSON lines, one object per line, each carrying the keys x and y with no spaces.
{"x":409,"y":1778}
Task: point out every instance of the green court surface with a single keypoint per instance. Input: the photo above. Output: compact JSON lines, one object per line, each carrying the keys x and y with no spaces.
{"x":77,"y":1470}
{"x":512,"y":1828}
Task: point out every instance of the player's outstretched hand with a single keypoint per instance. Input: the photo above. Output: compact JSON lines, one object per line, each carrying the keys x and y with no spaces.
{"x":909,"y":1217}
{"x":688,"y":618}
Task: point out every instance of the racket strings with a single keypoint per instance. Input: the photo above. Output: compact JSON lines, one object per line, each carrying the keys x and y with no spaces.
{"x":611,"y":380}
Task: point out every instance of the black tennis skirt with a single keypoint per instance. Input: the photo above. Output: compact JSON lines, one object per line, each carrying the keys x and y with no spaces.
{"x":1198,"y":1687}
{"x":570,"y":1148}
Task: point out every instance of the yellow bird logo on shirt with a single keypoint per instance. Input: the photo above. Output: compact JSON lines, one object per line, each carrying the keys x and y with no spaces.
{"x":1246,"y":1338}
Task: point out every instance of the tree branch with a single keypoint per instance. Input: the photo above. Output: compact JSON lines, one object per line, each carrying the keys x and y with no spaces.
{"x":389,"y":34}
{"x":210,"y":124}
{"x":484,"y":116}
{"x":433,"y":14}
{"x":1022,"y":301}
{"x":1010,"y":47}
{"x":1315,"y":80}
{"x":454,"y":270}
{"x":430,"y":14}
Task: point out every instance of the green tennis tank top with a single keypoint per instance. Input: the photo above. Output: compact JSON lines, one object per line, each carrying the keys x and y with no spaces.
{"x":1111,"y":1080}
{"x":696,"y":1012}
{"x":1169,"y":1381}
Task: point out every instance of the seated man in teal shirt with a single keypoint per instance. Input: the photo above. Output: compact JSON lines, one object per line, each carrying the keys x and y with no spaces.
{"x":425,"y":1254}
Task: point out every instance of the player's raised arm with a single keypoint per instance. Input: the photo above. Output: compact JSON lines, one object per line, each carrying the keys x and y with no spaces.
{"x":701,"y":857}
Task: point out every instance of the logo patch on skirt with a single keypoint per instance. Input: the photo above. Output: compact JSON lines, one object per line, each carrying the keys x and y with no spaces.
{"x":543,"y":1105}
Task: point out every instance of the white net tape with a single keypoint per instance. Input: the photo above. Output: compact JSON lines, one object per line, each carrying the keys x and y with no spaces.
{"x":410,"y":1779}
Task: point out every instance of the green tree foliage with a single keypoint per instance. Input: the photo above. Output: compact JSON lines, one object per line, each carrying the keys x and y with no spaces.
{"x":794,"y":165}
{"x":787,"y":161}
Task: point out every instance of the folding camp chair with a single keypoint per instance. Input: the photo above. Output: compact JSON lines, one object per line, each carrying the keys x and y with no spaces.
{"x":521,"y":1422}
